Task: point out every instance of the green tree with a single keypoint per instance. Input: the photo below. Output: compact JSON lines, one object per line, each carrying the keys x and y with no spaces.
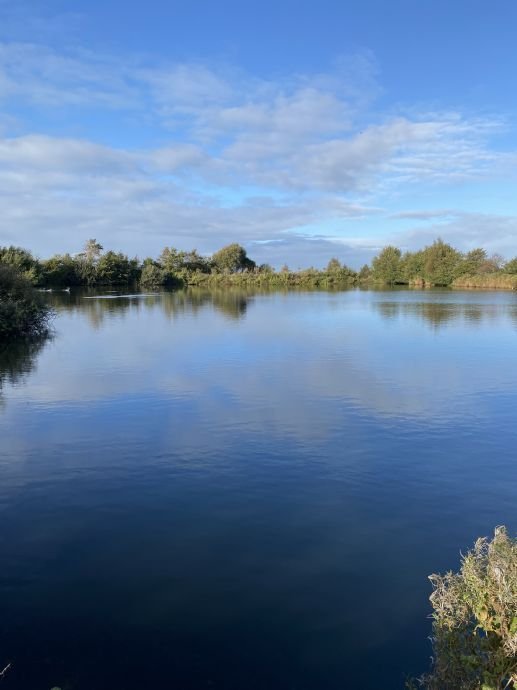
{"x":180,"y":265}
{"x":22,"y":261}
{"x":152,"y":274}
{"x":511,"y":266}
{"x":364,"y":273}
{"x":386,"y":267}
{"x":61,"y":270}
{"x":412,"y":267}
{"x":193,"y":261}
{"x":87,"y":262}
{"x":232,"y":259}
{"x":333,"y":266}
{"x":92,"y":250}
{"x":116,"y":269}
{"x":172,"y":260}
{"x":477,"y":262}
{"x":442,"y":263}
{"x":473,"y":262}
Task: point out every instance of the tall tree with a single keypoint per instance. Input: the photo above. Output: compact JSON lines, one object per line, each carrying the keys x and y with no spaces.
{"x":387,"y":265}
{"x":232,"y":259}
{"x":92,"y":250}
{"x":442,"y":263}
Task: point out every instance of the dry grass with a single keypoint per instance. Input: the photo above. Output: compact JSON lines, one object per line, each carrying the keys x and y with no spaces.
{"x":475,"y":620}
{"x":489,"y":281}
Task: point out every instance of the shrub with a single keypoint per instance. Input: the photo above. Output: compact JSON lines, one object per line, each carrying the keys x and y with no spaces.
{"x":22,"y":313}
{"x":475,"y":620}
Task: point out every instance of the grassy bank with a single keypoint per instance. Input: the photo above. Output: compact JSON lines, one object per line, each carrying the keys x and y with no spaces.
{"x":283,"y":279}
{"x":489,"y":281}
{"x":436,"y":265}
{"x":22,"y":313}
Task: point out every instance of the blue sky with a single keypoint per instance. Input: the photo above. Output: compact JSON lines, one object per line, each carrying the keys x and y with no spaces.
{"x":303,"y":130}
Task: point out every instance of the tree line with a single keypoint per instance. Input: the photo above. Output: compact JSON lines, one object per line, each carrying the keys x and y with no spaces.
{"x":438,"y":264}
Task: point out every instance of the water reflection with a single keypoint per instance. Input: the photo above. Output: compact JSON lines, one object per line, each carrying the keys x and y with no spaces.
{"x":194,"y":481}
{"x":434,"y":308}
{"x":18,"y":360}
{"x":229,"y":349}
{"x":97,"y":306}
{"x":442,"y":313}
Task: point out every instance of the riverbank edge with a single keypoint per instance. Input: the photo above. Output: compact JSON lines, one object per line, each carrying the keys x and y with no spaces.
{"x":324,"y":280}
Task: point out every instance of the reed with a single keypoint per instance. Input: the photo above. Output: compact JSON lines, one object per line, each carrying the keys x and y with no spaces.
{"x":488,"y":281}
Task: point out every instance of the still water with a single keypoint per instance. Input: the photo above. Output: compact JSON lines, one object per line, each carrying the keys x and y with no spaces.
{"x":247,"y":492}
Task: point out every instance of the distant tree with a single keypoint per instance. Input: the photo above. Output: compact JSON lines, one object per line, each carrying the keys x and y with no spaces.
{"x":412,"y":267}
{"x":497,"y":261}
{"x":386,"y":267}
{"x":172,"y":260}
{"x":442,"y":263}
{"x":152,"y":274}
{"x":333,"y":266}
{"x":92,"y":250}
{"x":364,"y":273}
{"x":22,"y":261}
{"x":474,"y":261}
{"x":192,"y":261}
{"x":265,"y":268}
{"x":63,"y":270}
{"x":87,"y":261}
{"x":179,"y":264}
{"x":116,"y":269}
{"x":232,"y":259}
{"x":477,"y":262}
{"x":511,"y":266}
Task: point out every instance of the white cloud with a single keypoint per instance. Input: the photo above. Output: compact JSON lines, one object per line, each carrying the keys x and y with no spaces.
{"x":41,"y":76}
{"x":43,"y":153}
{"x":239,"y":158}
{"x":496,"y":233}
{"x":431,"y":214}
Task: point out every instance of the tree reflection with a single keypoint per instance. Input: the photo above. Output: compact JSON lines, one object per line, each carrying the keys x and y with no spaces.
{"x":17,"y":360}
{"x":234,"y":303}
{"x":439,"y":314}
{"x":98,"y":307}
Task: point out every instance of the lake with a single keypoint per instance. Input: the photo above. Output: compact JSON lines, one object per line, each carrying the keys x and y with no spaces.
{"x":247,"y":491}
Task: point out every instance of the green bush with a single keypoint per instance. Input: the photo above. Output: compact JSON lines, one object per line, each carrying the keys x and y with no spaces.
{"x":475,"y":620}
{"x":22,"y":312}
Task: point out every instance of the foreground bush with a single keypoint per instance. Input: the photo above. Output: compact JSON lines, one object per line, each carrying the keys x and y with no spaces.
{"x":475,"y":620}
{"x":22,"y":312}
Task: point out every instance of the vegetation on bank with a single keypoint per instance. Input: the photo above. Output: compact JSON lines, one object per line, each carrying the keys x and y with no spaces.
{"x":437,"y":265}
{"x":22,"y":312}
{"x":440,"y":265}
{"x":488,"y":281}
{"x":475,"y":620}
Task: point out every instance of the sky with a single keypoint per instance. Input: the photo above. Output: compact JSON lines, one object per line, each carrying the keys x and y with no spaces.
{"x":301,"y":129}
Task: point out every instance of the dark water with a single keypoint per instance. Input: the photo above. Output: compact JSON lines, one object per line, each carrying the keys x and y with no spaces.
{"x":247,"y":492}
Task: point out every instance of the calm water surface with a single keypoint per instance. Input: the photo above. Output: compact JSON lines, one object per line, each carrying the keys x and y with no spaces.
{"x":243,"y":492}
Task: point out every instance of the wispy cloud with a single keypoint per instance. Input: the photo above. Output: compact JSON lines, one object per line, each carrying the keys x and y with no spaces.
{"x":495,"y":232}
{"x":431,"y":214}
{"x":233,"y":156}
